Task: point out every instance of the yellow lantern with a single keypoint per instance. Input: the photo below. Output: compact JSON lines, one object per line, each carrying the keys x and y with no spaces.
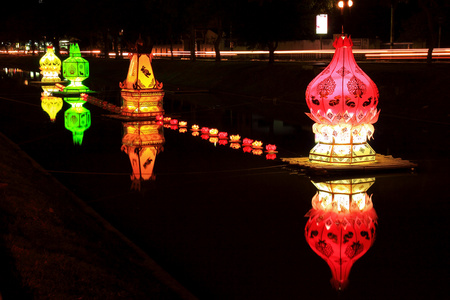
{"x":50,"y":66}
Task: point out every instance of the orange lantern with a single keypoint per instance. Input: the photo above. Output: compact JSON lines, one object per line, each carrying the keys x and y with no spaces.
{"x":142,"y":94}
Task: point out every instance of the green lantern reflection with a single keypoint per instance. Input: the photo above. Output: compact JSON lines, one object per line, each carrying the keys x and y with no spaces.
{"x":75,"y":69}
{"x":77,"y":119}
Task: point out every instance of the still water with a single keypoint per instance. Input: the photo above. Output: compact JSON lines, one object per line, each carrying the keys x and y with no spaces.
{"x":230,"y":223}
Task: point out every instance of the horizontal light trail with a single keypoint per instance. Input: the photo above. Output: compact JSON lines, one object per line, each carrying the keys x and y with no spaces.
{"x":371,"y":54}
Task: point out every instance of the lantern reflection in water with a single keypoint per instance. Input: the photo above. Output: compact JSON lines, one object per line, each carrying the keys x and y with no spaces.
{"x":50,"y":104}
{"x":142,"y":94}
{"x":142,"y":141}
{"x":342,"y":224}
{"x":77,"y":119}
{"x":343,"y":104}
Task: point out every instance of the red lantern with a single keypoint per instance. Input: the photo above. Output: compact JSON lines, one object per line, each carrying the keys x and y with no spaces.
{"x":247,"y":141}
{"x":343,"y":102}
{"x":223,"y":135}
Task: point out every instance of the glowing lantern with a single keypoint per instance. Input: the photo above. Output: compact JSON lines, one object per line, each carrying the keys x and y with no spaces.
{"x":173,"y":122}
{"x":235,"y":138}
{"x":342,"y":100}
{"x":75,"y":69}
{"x":247,"y":141}
{"x":213,"y":131}
{"x":195,"y":127}
{"x":51,"y":105}
{"x":271,"y":148}
{"x":182,"y":129}
{"x":142,"y":141}
{"x":223,"y":135}
{"x":205,"y":130}
{"x":50,"y":66}
{"x":204,"y":137}
{"x":195,"y":133}
{"x":167,"y":119}
{"x":182,"y":123}
{"x":257,"y":144}
{"x":77,"y":119}
{"x":342,"y":224}
{"x":142,"y":94}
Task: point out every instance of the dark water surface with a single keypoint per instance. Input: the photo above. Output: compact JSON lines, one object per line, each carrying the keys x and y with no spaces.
{"x":230,"y":225}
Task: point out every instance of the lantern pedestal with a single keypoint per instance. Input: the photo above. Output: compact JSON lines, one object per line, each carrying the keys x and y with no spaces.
{"x":342,"y":144}
{"x":142,"y":103}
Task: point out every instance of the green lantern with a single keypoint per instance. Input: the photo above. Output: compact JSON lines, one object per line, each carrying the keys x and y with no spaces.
{"x":75,"y":69}
{"x":77,"y":119}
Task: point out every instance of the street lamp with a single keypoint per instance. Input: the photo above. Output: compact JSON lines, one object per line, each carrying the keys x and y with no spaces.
{"x":341,"y":5}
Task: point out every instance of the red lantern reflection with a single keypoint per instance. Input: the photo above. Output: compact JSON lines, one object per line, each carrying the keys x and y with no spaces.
{"x":271,"y":156}
{"x":223,"y":142}
{"x":247,"y":149}
{"x":342,"y":224}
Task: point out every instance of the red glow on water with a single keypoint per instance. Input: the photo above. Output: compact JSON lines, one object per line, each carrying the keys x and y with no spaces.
{"x":247,"y":149}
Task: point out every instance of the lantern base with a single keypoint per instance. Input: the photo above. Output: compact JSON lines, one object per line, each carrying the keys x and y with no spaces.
{"x":342,"y":153}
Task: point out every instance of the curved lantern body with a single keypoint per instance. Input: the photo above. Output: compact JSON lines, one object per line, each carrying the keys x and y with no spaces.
{"x":75,"y":69}
{"x":50,"y":104}
{"x":142,"y":141}
{"x":342,"y":100}
{"x":50,"y":66}
{"x":142,"y":94}
{"x":77,"y":119}
{"x":342,"y":225}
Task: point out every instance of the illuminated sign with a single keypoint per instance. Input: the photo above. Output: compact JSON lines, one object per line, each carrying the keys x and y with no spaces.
{"x":322,"y":24}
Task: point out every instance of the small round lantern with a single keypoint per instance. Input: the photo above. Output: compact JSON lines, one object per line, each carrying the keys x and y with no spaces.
{"x":343,"y":103}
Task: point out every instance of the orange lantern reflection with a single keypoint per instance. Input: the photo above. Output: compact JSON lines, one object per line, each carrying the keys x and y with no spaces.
{"x":235,"y":145}
{"x":142,"y":141}
{"x":342,"y":224}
